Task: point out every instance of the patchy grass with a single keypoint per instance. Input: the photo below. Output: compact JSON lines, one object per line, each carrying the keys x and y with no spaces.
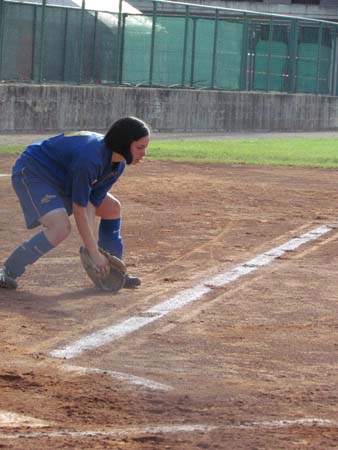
{"x":283,"y":152}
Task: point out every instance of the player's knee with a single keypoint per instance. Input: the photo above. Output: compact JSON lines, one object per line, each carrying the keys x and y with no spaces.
{"x":110,"y":209}
{"x":57,"y":226}
{"x":64,"y":230}
{"x":115,"y":208}
{"x":60,"y":231}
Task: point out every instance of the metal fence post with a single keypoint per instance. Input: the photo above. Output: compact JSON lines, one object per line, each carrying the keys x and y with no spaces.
{"x":121,"y":53}
{"x":319,"y":53}
{"x":269,"y":54}
{"x":83,"y":6}
{"x":42,"y":41}
{"x":193,"y":52}
{"x":293,"y":56}
{"x":118,"y":43}
{"x":214,"y":52}
{"x":152,"y":44}
{"x":243,"y":85}
{"x":2,"y":26}
{"x":65,"y":39}
{"x":334,"y":72}
{"x":185,"y":45}
{"x":94,"y":48}
{"x":34,"y":71}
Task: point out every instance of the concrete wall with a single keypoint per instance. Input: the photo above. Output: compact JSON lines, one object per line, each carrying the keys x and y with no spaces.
{"x":52,"y":108}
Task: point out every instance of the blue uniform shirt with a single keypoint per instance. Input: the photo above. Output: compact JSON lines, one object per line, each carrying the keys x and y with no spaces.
{"x":78,"y":165}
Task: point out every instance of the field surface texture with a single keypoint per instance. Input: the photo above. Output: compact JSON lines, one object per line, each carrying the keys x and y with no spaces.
{"x":231,"y":342}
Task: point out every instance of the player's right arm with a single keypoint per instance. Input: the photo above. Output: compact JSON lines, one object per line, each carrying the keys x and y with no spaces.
{"x":84,"y":174}
{"x":86,"y":233}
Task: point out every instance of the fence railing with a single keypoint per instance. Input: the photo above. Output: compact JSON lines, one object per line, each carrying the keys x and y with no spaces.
{"x":170,"y":44}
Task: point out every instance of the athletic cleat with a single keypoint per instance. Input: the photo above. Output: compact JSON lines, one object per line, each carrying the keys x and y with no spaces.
{"x":6,"y":281}
{"x":131,"y":282}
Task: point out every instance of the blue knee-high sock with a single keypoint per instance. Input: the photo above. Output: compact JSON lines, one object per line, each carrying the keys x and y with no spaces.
{"x":110,"y":237}
{"x":27,"y":253}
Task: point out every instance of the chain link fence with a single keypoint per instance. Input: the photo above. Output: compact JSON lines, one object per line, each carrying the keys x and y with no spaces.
{"x":167,"y":44}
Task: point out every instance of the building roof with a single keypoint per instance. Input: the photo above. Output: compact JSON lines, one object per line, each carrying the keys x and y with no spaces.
{"x":96,"y":5}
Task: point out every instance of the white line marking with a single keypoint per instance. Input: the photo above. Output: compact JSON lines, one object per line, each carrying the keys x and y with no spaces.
{"x":184,"y":298}
{"x":5,"y":175}
{"x":119,"y":376}
{"x":165,"y":429}
{"x":115,"y":433}
{"x":10,"y":419}
{"x":103,"y":337}
{"x":289,"y":423}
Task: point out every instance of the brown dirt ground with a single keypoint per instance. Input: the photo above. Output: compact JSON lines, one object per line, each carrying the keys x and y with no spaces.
{"x":261,"y":349}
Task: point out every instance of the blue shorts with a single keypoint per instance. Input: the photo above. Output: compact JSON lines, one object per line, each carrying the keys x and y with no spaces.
{"x":37,"y":197}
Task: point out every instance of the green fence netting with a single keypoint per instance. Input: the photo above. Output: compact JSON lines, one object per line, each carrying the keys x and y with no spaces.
{"x":170,"y":44}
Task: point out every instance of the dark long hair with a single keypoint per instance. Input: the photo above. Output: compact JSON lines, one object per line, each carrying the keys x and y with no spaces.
{"x":123,"y":132}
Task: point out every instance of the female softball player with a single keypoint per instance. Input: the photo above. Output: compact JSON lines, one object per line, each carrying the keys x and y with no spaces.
{"x":72,"y":174}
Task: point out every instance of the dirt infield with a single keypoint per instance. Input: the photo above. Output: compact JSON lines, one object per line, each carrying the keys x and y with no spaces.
{"x":251,"y":364}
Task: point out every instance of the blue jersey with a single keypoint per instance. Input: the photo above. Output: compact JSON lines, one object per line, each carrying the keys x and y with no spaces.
{"x":78,"y":165}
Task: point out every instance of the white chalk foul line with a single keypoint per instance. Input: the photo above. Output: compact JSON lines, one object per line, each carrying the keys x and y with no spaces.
{"x":10,"y":419}
{"x":115,"y":433}
{"x":290,"y":423}
{"x":139,"y":381}
{"x":183,"y":298}
{"x":166,"y":429}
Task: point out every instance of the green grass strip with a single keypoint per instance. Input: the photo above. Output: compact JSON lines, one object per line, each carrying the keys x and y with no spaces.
{"x":282,"y":152}
{"x":11,"y":149}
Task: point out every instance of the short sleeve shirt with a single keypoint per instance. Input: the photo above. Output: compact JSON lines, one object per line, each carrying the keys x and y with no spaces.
{"x":78,"y":165}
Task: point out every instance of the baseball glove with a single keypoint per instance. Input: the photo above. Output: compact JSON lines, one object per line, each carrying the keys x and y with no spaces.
{"x":115,"y":279}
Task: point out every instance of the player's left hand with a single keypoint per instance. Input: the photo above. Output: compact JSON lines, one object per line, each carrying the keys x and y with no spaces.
{"x":112,"y":281}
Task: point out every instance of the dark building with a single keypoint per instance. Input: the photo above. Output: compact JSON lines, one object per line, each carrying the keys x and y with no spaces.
{"x":311,"y":9}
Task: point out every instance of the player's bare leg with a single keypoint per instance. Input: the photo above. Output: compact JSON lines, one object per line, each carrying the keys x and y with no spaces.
{"x":57,"y":226}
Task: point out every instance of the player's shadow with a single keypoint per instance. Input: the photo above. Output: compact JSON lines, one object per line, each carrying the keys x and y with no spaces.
{"x":25,"y":301}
